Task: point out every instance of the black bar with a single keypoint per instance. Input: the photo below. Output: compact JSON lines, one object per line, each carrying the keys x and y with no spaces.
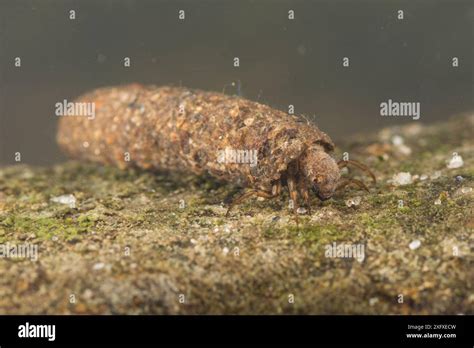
{"x":242,"y":329}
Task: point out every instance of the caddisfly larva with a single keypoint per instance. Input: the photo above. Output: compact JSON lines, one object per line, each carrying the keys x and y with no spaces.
{"x":231,"y":138}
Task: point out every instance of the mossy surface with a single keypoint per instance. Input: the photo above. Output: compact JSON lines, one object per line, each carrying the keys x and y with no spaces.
{"x":136,"y":242}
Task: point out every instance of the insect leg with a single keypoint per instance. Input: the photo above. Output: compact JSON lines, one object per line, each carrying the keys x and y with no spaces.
{"x":347,"y":182}
{"x":305,"y":194}
{"x":293,"y":192}
{"x":252,"y":192}
{"x":294,"y":197}
{"x":242,"y":197}
{"x":343,"y":163}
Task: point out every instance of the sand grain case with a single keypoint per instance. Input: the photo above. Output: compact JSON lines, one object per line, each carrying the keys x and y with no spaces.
{"x":177,"y":129}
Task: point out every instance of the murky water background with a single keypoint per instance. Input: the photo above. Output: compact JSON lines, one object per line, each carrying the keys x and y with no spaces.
{"x":282,"y":62}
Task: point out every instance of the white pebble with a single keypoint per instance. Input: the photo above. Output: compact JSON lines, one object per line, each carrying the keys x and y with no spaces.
{"x":415,"y":244}
{"x":88,"y":294}
{"x":353,"y":202}
{"x":98,"y":266}
{"x":455,"y":162}
{"x":69,"y":200}
{"x":397,"y":140}
{"x":437,"y":202}
{"x":423,"y":177}
{"x":225,"y":251}
{"x":402,"y":178}
{"x":301,"y":210}
{"x":373,"y":301}
{"x":435,"y":175}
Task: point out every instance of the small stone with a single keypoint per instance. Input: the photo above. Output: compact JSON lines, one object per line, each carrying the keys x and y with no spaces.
{"x":225,"y":251}
{"x":275,"y":218}
{"x":397,"y":140}
{"x":88,"y":294}
{"x":435,"y":175}
{"x":98,"y":266}
{"x":193,"y":241}
{"x":353,"y":202}
{"x":373,"y":301}
{"x":455,"y":162}
{"x":437,"y":202}
{"x":423,"y":177}
{"x":65,"y":199}
{"x":404,"y":150}
{"x":459,"y":179}
{"x":415,"y":244}
{"x":402,"y":178}
{"x":462,"y":191}
{"x":301,"y":210}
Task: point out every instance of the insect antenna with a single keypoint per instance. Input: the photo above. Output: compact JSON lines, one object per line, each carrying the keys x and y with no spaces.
{"x":344,"y":163}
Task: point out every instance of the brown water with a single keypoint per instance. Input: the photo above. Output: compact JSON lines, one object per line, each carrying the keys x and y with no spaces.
{"x":282,"y":62}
